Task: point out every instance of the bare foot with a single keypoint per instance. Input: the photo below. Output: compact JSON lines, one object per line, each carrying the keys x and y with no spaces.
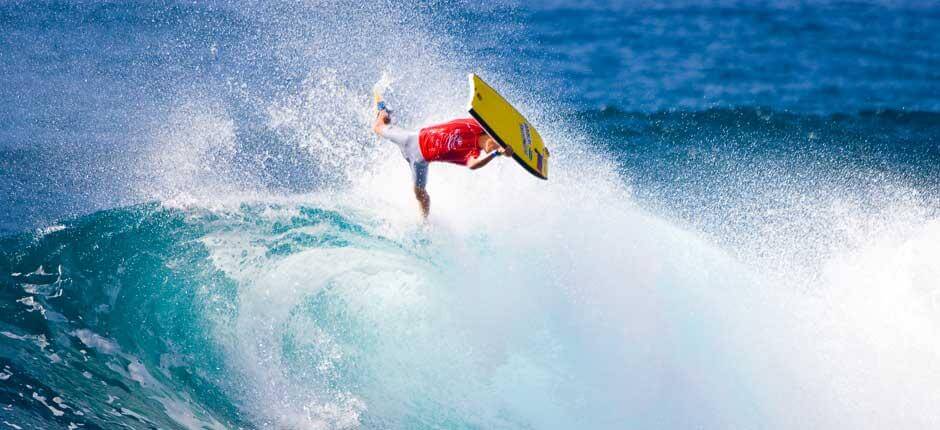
{"x":381,"y":120}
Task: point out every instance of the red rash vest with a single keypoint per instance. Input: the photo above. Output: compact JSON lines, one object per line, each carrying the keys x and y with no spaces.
{"x":454,"y":141}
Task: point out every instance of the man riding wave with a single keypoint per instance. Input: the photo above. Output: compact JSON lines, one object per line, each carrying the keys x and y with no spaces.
{"x":459,"y":141}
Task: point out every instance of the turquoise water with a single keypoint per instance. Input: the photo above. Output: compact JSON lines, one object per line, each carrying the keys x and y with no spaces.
{"x":197,"y":229}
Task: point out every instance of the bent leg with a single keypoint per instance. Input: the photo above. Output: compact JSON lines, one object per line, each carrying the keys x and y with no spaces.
{"x":407,"y":142}
{"x":419,"y":176}
{"x":424,"y":201}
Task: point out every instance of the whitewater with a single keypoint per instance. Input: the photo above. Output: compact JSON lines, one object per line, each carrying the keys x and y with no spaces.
{"x":239,"y":251}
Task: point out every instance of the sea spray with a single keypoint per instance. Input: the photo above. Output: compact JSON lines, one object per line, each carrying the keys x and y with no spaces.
{"x":204,"y":233}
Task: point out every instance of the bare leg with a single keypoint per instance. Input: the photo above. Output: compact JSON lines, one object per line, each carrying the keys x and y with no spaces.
{"x":406,"y":140}
{"x":424,"y":201}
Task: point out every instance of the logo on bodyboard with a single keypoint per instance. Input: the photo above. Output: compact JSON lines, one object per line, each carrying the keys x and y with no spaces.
{"x":526,"y":139}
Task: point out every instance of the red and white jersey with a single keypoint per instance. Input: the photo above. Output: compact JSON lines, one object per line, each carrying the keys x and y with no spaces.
{"x":453,"y":141}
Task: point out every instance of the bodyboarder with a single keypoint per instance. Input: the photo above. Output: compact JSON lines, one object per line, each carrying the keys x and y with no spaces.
{"x":460,"y":141}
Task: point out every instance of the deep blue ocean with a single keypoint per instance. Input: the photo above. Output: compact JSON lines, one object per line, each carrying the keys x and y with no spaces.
{"x":198,"y":229}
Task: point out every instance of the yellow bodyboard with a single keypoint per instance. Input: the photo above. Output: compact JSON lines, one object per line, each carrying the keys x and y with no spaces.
{"x":508,"y":127}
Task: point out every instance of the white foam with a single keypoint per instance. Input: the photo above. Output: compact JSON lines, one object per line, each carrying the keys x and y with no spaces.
{"x":42,"y":400}
{"x":182,"y":413}
{"x":47,"y":230}
{"x":131,"y":413}
{"x":138,"y":372}
{"x":96,"y":341}
{"x":594,"y":300}
{"x":13,"y":335}
{"x":61,"y":403}
{"x":32,"y":305}
{"x":38,"y":339}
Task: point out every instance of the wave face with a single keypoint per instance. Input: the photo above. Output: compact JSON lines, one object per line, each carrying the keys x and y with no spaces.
{"x":315,"y":315}
{"x":199,"y":231}
{"x":319,"y":314}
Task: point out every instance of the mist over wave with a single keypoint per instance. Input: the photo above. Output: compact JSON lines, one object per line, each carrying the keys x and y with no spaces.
{"x":218,"y":241}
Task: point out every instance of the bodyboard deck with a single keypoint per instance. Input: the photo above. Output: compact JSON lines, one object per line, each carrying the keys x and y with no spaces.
{"x":508,"y":127}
